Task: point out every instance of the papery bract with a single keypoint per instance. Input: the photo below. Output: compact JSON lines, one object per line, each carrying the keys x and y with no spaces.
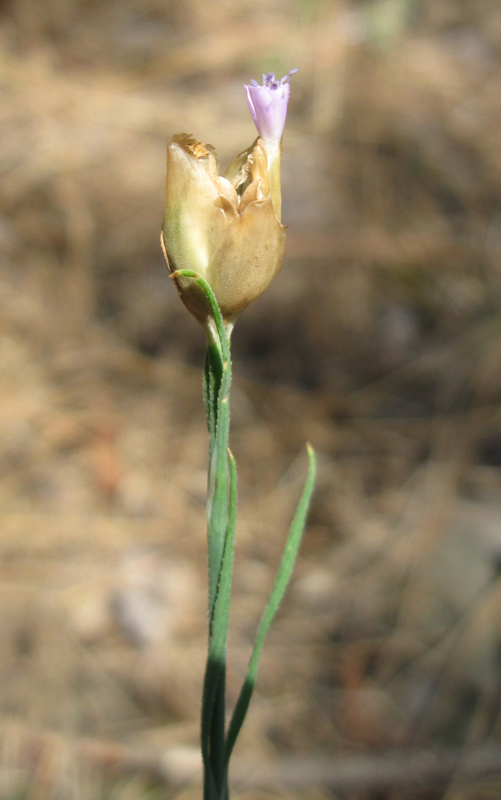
{"x":226,"y":231}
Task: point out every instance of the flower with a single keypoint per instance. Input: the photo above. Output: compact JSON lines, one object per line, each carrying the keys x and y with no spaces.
{"x":225,"y":229}
{"x":228,"y":230}
{"x":268,"y":105}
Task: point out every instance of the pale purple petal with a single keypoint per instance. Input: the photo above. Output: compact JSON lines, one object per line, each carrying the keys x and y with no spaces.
{"x":268,"y":105}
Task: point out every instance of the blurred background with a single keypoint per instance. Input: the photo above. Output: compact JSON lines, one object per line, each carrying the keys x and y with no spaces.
{"x":379,"y":342}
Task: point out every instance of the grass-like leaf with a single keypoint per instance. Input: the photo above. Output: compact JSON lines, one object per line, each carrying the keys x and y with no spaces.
{"x":277,"y":593}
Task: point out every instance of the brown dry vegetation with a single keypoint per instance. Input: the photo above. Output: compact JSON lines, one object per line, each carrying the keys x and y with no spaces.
{"x":380,"y":342}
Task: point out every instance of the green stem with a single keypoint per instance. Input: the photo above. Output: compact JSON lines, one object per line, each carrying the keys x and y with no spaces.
{"x":221,"y":523}
{"x":214,"y":684}
{"x":213,"y":371}
{"x":221,"y":534}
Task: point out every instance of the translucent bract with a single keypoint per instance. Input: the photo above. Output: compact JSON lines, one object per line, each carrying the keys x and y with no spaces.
{"x":226,"y":229}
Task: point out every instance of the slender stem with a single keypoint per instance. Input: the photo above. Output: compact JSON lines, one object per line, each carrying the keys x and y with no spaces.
{"x":221,"y":524}
{"x":214,"y":684}
{"x":221,"y":534}
{"x":213,"y":370}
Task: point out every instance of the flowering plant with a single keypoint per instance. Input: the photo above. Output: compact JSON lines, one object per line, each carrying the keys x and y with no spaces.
{"x":224,"y":242}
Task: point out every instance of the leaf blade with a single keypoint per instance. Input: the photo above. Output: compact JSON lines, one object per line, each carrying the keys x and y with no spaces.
{"x":277,"y":593}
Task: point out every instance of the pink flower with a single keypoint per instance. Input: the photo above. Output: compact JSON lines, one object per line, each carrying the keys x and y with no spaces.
{"x":268,"y":105}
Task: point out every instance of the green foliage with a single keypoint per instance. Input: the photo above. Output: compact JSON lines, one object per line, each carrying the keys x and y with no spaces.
{"x":217,"y":746}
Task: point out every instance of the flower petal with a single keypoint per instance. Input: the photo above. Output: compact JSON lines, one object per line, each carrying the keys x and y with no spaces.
{"x":268,"y":105}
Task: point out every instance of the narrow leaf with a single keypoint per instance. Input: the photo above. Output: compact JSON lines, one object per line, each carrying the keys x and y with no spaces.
{"x":277,"y":593}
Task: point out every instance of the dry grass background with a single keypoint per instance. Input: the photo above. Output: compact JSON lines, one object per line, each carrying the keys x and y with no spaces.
{"x":380,"y":342}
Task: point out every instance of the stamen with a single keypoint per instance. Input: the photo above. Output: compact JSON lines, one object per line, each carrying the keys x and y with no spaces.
{"x":269,"y":80}
{"x":287,"y":77}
